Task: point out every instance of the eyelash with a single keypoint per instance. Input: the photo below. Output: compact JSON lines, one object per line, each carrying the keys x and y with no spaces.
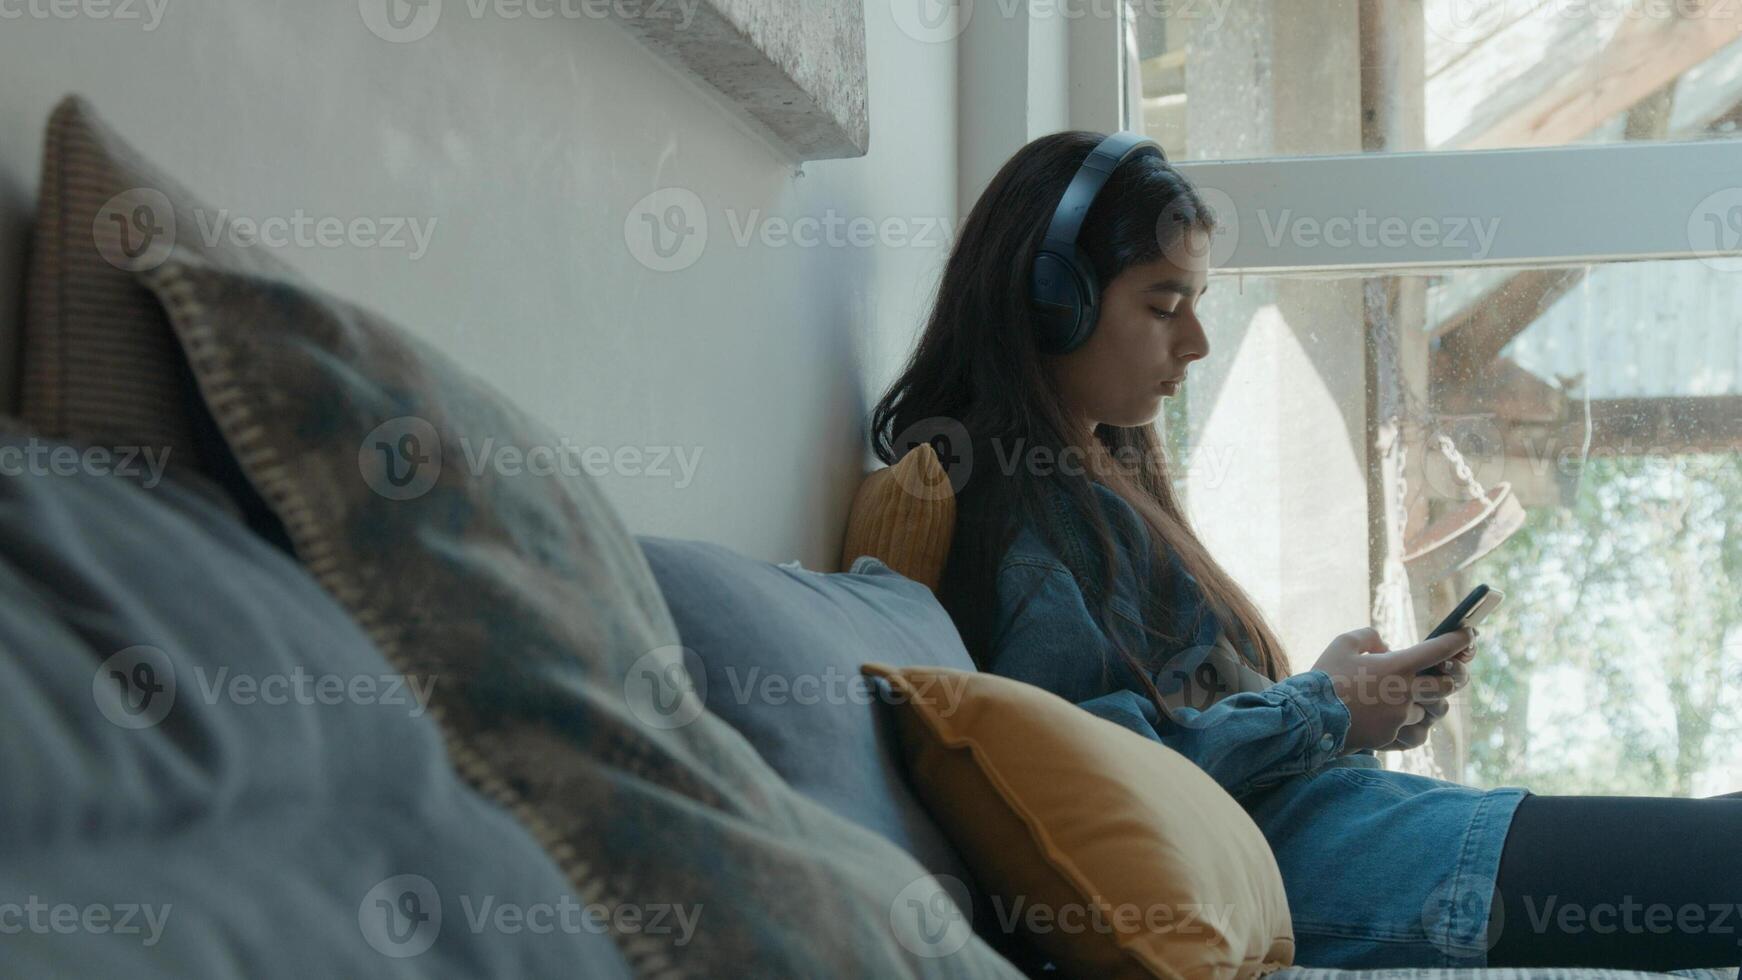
{"x":1164,"y":314}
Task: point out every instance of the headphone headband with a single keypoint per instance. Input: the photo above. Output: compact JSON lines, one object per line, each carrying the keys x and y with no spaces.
{"x":1110,"y":155}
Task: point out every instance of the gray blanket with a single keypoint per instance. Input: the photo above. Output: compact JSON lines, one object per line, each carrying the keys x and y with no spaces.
{"x":210,"y":772}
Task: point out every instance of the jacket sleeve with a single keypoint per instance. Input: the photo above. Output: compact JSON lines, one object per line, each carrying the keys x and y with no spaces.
{"x":1245,"y":741}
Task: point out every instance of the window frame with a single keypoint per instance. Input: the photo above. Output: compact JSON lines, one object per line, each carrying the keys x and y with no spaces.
{"x":1571,"y":205}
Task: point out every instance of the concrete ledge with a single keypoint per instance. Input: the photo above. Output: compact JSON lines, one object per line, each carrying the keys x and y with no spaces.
{"x":793,"y":69}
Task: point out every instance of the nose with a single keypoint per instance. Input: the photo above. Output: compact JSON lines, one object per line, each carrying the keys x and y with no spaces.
{"x":1190,"y":342}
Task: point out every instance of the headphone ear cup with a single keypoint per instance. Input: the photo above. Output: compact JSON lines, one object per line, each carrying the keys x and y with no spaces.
{"x":1088,"y":302}
{"x":1055,"y":299}
{"x":1064,"y":293}
{"x":1087,"y":318}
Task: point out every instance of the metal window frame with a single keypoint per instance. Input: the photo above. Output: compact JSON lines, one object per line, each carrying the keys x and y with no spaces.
{"x":1552,"y":206}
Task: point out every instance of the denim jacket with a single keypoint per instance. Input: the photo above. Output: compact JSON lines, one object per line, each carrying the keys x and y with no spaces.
{"x":1382,"y":868}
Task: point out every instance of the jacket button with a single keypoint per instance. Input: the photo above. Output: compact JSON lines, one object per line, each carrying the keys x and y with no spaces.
{"x":1327,"y":741}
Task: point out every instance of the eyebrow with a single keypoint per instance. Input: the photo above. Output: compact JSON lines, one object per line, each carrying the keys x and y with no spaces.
{"x":1179,"y":286}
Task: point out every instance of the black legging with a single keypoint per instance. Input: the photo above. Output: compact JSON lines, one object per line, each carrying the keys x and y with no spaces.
{"x":1639,"y":883}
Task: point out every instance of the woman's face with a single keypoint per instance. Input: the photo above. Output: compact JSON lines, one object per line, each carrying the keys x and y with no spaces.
{"x":1147,"y":334}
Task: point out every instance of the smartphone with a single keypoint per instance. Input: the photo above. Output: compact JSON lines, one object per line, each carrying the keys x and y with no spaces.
{"x":1476,"y":606}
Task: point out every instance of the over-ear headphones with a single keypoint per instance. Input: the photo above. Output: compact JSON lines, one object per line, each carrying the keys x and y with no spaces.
{"x":1063,"y":290}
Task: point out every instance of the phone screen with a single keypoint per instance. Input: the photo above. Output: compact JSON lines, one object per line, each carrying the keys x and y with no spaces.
{"x":1476,"y":606}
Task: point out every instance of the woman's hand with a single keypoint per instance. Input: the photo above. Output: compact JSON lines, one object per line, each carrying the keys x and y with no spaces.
{"x":1386,"y":691}
{"x":1457,"y":670}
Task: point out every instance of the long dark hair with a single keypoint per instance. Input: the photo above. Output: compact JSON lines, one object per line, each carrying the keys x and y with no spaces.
{"x":980,"y":366}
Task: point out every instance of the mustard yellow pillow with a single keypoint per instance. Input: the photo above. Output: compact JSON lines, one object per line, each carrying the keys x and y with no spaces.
{"x":905,"y":516}
{"x":1113,"y":855}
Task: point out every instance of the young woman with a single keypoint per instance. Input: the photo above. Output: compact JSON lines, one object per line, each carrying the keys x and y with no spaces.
{"x":1074,"y":568}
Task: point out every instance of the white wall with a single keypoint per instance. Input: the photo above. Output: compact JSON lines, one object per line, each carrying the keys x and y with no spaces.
{"x":529,"y":143}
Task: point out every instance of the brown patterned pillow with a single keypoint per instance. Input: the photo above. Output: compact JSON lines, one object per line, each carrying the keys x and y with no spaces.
{"x":99,"y":363}
{"x":411,"y":492}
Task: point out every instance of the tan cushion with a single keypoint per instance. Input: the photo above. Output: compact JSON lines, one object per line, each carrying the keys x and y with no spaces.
{"x":99,"y":363}
{"x":905,"y":516}
{"x":1127,"y":859}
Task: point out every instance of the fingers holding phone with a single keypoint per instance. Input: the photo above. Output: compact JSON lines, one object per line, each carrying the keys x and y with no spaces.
{"x":1414,"y":736}
{"x":1384,"y":690}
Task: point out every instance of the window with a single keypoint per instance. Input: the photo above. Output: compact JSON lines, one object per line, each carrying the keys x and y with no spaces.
{"x":1516,"y":224}
{"x":1467,"y":74}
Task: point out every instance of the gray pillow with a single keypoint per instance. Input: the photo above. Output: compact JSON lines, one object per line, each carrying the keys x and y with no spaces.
{"x":776,"y":651}
{"x":520,"y":588}
{"x":180,"y":804}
